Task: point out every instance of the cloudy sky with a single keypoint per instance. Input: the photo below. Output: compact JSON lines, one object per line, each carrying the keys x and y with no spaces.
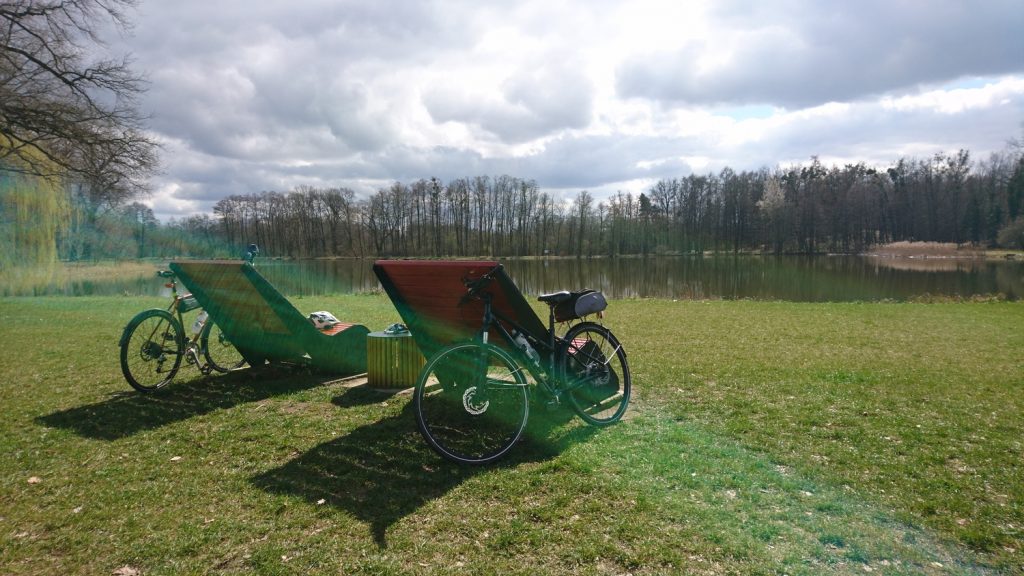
{"x":251,"y":95}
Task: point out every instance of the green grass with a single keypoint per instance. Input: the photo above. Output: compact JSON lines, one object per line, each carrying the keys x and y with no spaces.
{"x":765,"y":438}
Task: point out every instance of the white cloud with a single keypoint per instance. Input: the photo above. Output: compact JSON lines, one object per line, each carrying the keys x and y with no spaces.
{"x":959,"y":100}
{"x":603,"y":95}
{"x":804,"y":53}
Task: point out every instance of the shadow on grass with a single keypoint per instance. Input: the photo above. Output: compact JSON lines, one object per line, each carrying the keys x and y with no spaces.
{"x":382,"y":472}
{"x":363,"y":396}
{"x":131,"y":412}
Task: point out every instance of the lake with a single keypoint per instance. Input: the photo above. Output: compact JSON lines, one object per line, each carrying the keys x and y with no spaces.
{"x":793,"y":278}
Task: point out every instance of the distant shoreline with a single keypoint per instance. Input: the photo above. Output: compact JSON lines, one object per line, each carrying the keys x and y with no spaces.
{"x":895,"y":250}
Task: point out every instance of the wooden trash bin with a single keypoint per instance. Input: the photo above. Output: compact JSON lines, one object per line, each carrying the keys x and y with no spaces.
{"x":392,"y":360}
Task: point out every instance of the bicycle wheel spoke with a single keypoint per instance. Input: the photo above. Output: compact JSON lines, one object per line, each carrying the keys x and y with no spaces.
{"x":594,"y":374}
{"x":471,"y":403}
{"x":218,"y":350}
{"x":151,"y":350}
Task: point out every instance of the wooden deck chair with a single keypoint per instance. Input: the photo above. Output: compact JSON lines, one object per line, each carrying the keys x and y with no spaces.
{"x":263,"y":325}
{"x":428,"y":297}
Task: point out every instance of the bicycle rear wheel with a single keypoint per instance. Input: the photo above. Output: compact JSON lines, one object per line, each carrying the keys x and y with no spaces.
{"x":471,"y":403}
{"x":594,"y":374}
{"x":220,"y":353}
{"x":151,"y":349}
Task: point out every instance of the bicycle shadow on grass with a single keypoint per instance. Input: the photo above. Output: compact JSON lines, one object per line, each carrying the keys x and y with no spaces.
{"x":382,"y":472}
{"x":129,"y":413}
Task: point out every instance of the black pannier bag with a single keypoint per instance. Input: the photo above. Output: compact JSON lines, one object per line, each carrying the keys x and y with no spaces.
{"x":580,"y":304}
{"x":590,"y":366}
{"x":188,"y":303}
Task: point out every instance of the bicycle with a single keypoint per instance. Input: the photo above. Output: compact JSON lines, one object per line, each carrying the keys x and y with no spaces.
{"x":154,"y":343}
{"x":472,"y":398}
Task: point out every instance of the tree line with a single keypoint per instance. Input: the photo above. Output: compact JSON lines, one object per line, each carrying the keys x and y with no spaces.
{"x":73,"y":145}
{"x":74,"y":159}
{"x":807,"y":208}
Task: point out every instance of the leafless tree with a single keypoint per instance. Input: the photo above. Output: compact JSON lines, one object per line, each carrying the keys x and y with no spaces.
{"x":63,"y":111}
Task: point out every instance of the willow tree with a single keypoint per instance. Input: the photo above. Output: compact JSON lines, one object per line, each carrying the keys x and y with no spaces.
{"x":33,"y":210}
{"x":68,"y":115}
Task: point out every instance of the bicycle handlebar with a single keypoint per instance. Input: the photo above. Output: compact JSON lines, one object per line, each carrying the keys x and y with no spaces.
{"x":473,"y":286}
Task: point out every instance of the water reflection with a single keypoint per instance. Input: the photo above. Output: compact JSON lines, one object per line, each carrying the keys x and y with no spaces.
{"x":794,"y":278}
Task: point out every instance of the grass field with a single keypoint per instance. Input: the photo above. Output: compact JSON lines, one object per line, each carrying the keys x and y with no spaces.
{"x":765,"y":438}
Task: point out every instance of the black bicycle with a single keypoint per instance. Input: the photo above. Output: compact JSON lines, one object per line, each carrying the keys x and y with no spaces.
{"x":154,"y":343}
{"x":472,"y":399}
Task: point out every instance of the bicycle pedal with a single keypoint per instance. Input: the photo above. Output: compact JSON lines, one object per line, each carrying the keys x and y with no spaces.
{"x":552,"y":404}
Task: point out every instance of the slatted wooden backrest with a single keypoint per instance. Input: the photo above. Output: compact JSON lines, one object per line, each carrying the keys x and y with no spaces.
{"x":427,"y":294}
{"x":251,"y":312}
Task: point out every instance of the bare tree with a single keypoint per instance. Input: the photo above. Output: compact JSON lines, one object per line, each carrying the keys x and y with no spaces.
{"x":62,"y":112}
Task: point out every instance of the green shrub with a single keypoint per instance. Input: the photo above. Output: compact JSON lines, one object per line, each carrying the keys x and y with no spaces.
{"x":1012,"y":235}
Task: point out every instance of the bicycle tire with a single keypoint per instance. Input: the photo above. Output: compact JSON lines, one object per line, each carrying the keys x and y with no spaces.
{"x":594,"y":374}
{"x":152,"y":346}
{"x":221,"y":355}
{"x":471,"y":403}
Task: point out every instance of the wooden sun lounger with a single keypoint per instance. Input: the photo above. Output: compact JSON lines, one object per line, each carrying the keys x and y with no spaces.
{"x":427,"y":295}
{"x":263,"y":325}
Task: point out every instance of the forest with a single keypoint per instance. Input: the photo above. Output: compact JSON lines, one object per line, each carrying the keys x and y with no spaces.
{"x":808,"y":208}
{"x":76,"y":159}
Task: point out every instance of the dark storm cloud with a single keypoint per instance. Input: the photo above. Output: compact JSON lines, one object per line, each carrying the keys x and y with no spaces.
{"x":802,"y":53}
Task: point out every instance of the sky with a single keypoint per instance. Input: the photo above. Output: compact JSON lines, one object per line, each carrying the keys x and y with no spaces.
{"x":247,"y":96}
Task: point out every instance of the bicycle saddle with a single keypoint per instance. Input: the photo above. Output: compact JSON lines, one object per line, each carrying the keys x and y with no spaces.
{"x":555,"y":297}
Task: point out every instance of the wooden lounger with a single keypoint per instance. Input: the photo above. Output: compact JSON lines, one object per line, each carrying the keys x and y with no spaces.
{"x":428,"y":294}
{"x":263,"y":325}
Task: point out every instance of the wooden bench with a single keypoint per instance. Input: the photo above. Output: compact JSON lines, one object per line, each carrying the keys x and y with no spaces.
{"x":263,"y":325}
{"x":428,"y":295}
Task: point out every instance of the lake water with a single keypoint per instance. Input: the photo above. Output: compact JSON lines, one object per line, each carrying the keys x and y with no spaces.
{"x":793,"y":278}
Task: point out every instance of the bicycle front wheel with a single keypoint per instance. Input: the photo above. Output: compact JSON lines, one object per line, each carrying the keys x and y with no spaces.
{"x":220,"y":353}
{"x":151,"y":349}
{"x":471,"y":403}
{"x":594,"y":374}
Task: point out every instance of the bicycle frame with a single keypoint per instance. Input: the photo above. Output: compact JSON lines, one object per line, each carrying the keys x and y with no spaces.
{"x":150,"y":361}
{"x":544,"y":375}
{"x":472,"y":398}
{"x":191,"y":349}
